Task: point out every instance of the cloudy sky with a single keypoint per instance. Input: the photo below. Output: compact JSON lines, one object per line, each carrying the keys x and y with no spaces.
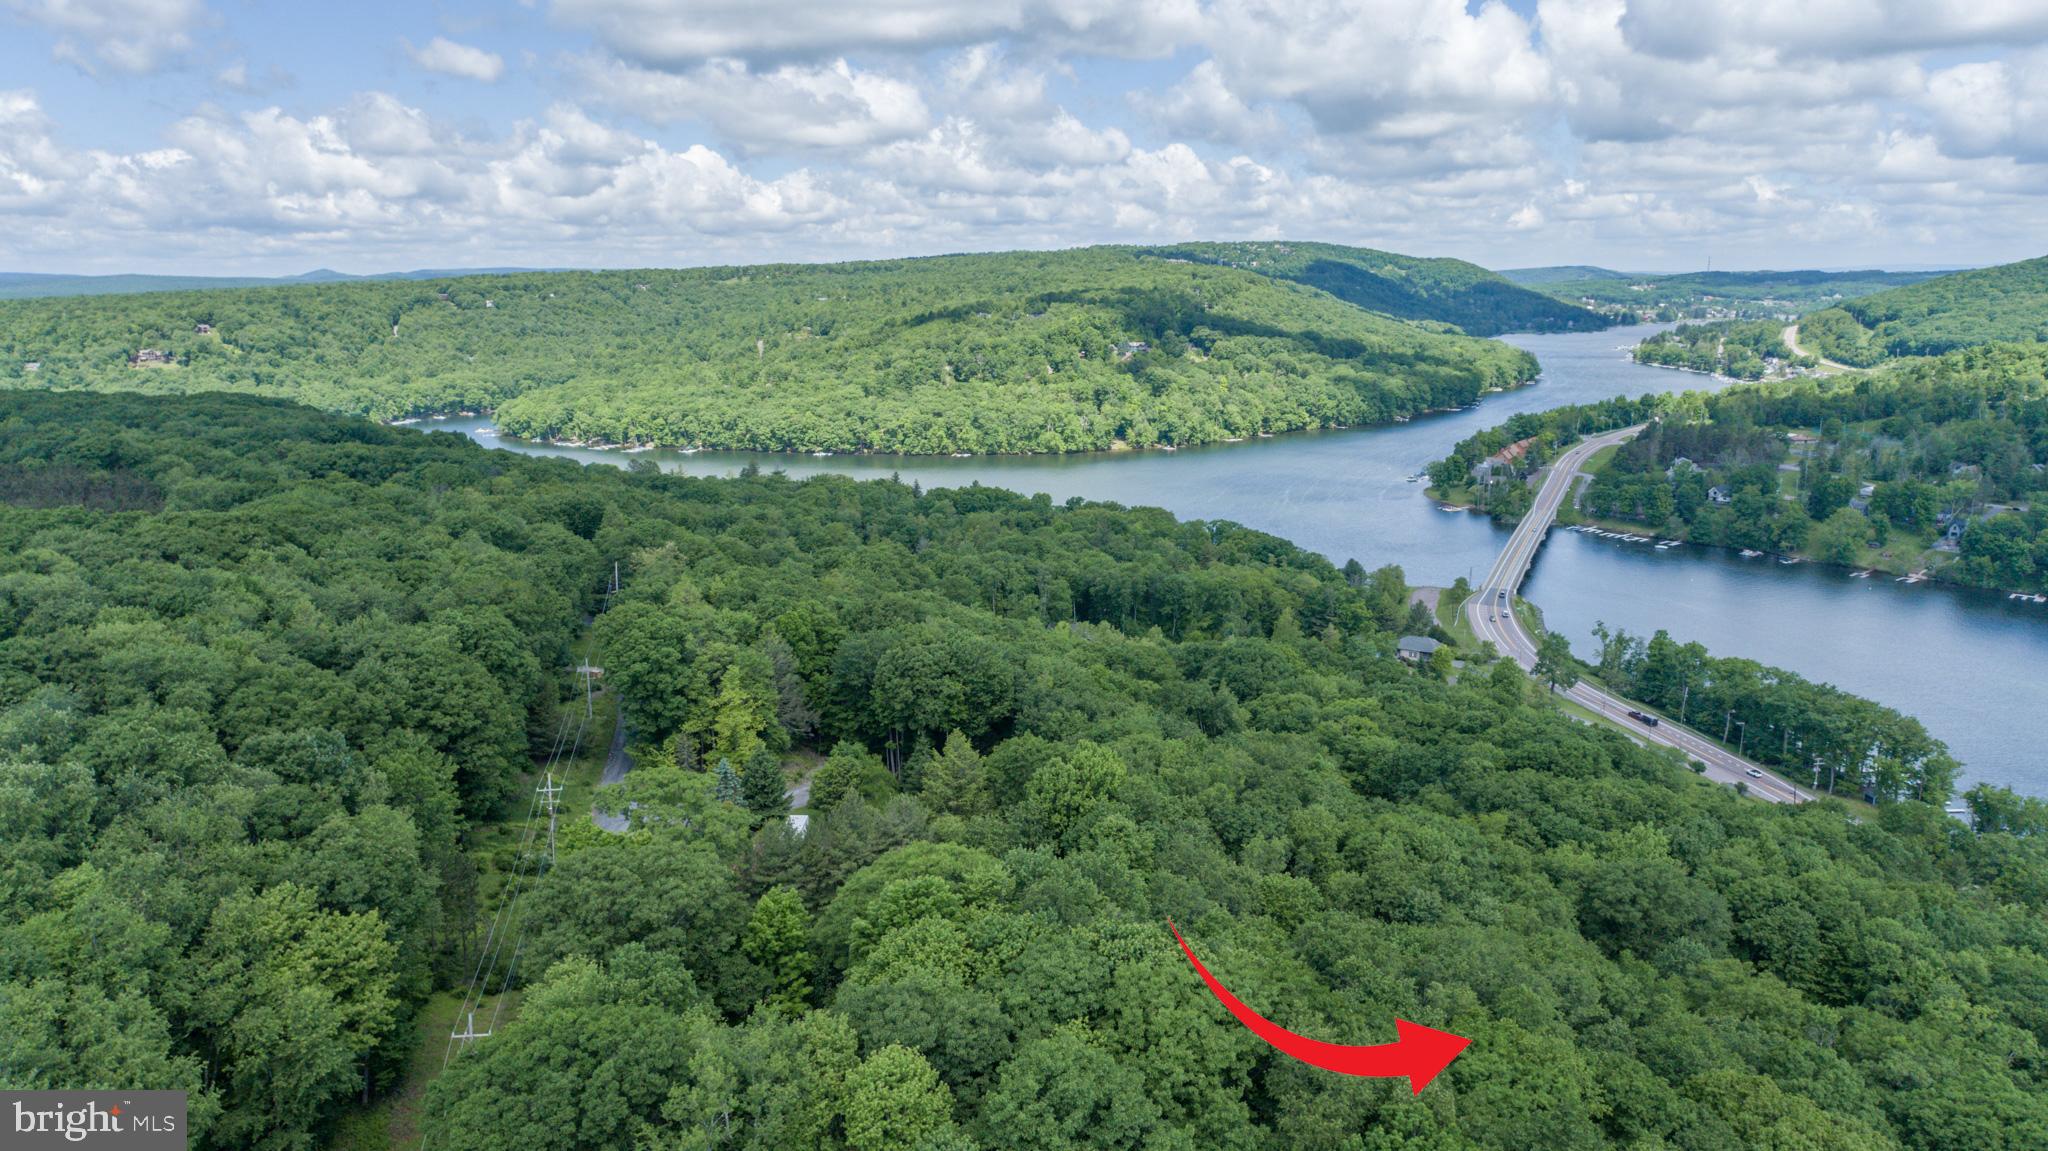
{"x":231,"y":136}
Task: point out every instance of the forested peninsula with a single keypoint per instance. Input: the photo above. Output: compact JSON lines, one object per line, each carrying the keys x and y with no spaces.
{"x":1934,"y":465}
{"x":275,"y":686}
{"x":1089,"y":349}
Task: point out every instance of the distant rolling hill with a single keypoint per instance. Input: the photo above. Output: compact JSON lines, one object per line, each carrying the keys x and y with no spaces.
{"x":1725,"y":295}
{"x":2008,"y":303}
{"x":32,"y":285}
{"x":1479,"y":302}
{"x":1559,"y":273}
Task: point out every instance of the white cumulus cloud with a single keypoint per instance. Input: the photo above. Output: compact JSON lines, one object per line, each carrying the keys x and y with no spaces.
{"x":125,"y":35}
{"x":830,"y":105}
{"x":452,"y":59}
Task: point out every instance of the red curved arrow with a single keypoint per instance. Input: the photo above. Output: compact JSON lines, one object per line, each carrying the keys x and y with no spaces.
{"x":1419,"y":1053}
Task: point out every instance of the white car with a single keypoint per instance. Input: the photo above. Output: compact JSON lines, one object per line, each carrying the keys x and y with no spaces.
{"x":1755,"y":774}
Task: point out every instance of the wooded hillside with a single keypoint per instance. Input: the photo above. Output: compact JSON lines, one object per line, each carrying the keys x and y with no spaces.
{"x":1011,"y":352}
{"x":1961,"y":310}
{"x":1480,"y":302}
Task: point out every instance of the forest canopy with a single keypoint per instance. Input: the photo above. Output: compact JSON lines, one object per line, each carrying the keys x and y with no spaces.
{"x":270,"y":678}
{"x":1011,"y":352}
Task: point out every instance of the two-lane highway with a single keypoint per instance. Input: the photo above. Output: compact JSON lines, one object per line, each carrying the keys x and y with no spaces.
{"x":1491,"y":614}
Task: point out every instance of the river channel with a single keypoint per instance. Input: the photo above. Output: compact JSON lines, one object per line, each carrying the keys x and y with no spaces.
{"x":1968,"y":664}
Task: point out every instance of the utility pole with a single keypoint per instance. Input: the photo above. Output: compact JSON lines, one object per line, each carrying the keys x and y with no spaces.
{"x":1742,"y":730}
{"x":469,"y":1031}
{"x":550,"y":793}
{"x":588,"y":707}
{"x":1727,"y":726}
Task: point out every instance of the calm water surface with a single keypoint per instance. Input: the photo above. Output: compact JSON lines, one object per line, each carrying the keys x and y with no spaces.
{"x":1967,"y":664}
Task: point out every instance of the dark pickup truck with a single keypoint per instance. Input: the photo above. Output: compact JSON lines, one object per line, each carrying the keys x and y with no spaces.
{"x":1643,"y":718}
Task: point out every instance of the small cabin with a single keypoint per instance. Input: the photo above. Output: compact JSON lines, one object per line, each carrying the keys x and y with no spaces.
{"x":1719,"y":494}
{"x":202,"y":329}
{"x":1417,"y":648}
{"x":32,"y":366}
{"x":151,"y":356}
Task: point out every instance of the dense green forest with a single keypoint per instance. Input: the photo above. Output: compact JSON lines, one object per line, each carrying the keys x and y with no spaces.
{"x":266,"y":674}
{"x":1709,"y":295}
{"x":1014,"y":352}
{"x":1745,"y":349}
{"x":2005,"y":303}
{"x":1482,"y":303}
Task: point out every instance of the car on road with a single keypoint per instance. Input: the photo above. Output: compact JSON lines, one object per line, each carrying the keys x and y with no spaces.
{"x":1755,"y":774}
{"x":1644,"y":718}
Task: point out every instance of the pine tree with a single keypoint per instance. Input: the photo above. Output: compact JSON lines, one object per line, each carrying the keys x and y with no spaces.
{"x":918,"y":766}
{"x":762,"y":789}
{"x":957,"y":783}
{"x":728,"y":782}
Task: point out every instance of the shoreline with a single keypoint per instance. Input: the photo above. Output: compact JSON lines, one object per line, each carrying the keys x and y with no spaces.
{"x":1897,"y":571}
{"x":1117,"y":447}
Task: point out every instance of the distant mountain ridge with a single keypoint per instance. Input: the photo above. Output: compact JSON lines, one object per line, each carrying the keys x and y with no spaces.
{"x":1558,"y":273}
{"x":1477,"y":301}
{"x":1759,"y":294}
{"x":36,"y":285}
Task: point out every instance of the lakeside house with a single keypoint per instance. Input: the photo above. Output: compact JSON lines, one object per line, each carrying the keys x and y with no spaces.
{"x":202,"y":329}
{"x":1503,"y":460}
{"x":151,"y":356}
{"x":1416,"y":648}
{"x":1719,"y":494}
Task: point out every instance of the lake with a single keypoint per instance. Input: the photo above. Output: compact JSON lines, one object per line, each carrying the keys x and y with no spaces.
{"x":1965,"y":663}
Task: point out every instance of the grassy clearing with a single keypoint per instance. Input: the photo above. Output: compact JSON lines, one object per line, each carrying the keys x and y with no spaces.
{"x":391,"y":1121}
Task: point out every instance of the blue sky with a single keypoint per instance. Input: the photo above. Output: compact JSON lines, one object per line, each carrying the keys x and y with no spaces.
{"x":229,"y":136}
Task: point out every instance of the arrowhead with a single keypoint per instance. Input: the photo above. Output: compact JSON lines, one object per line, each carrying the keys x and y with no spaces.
{"x":1427,"y":1051}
